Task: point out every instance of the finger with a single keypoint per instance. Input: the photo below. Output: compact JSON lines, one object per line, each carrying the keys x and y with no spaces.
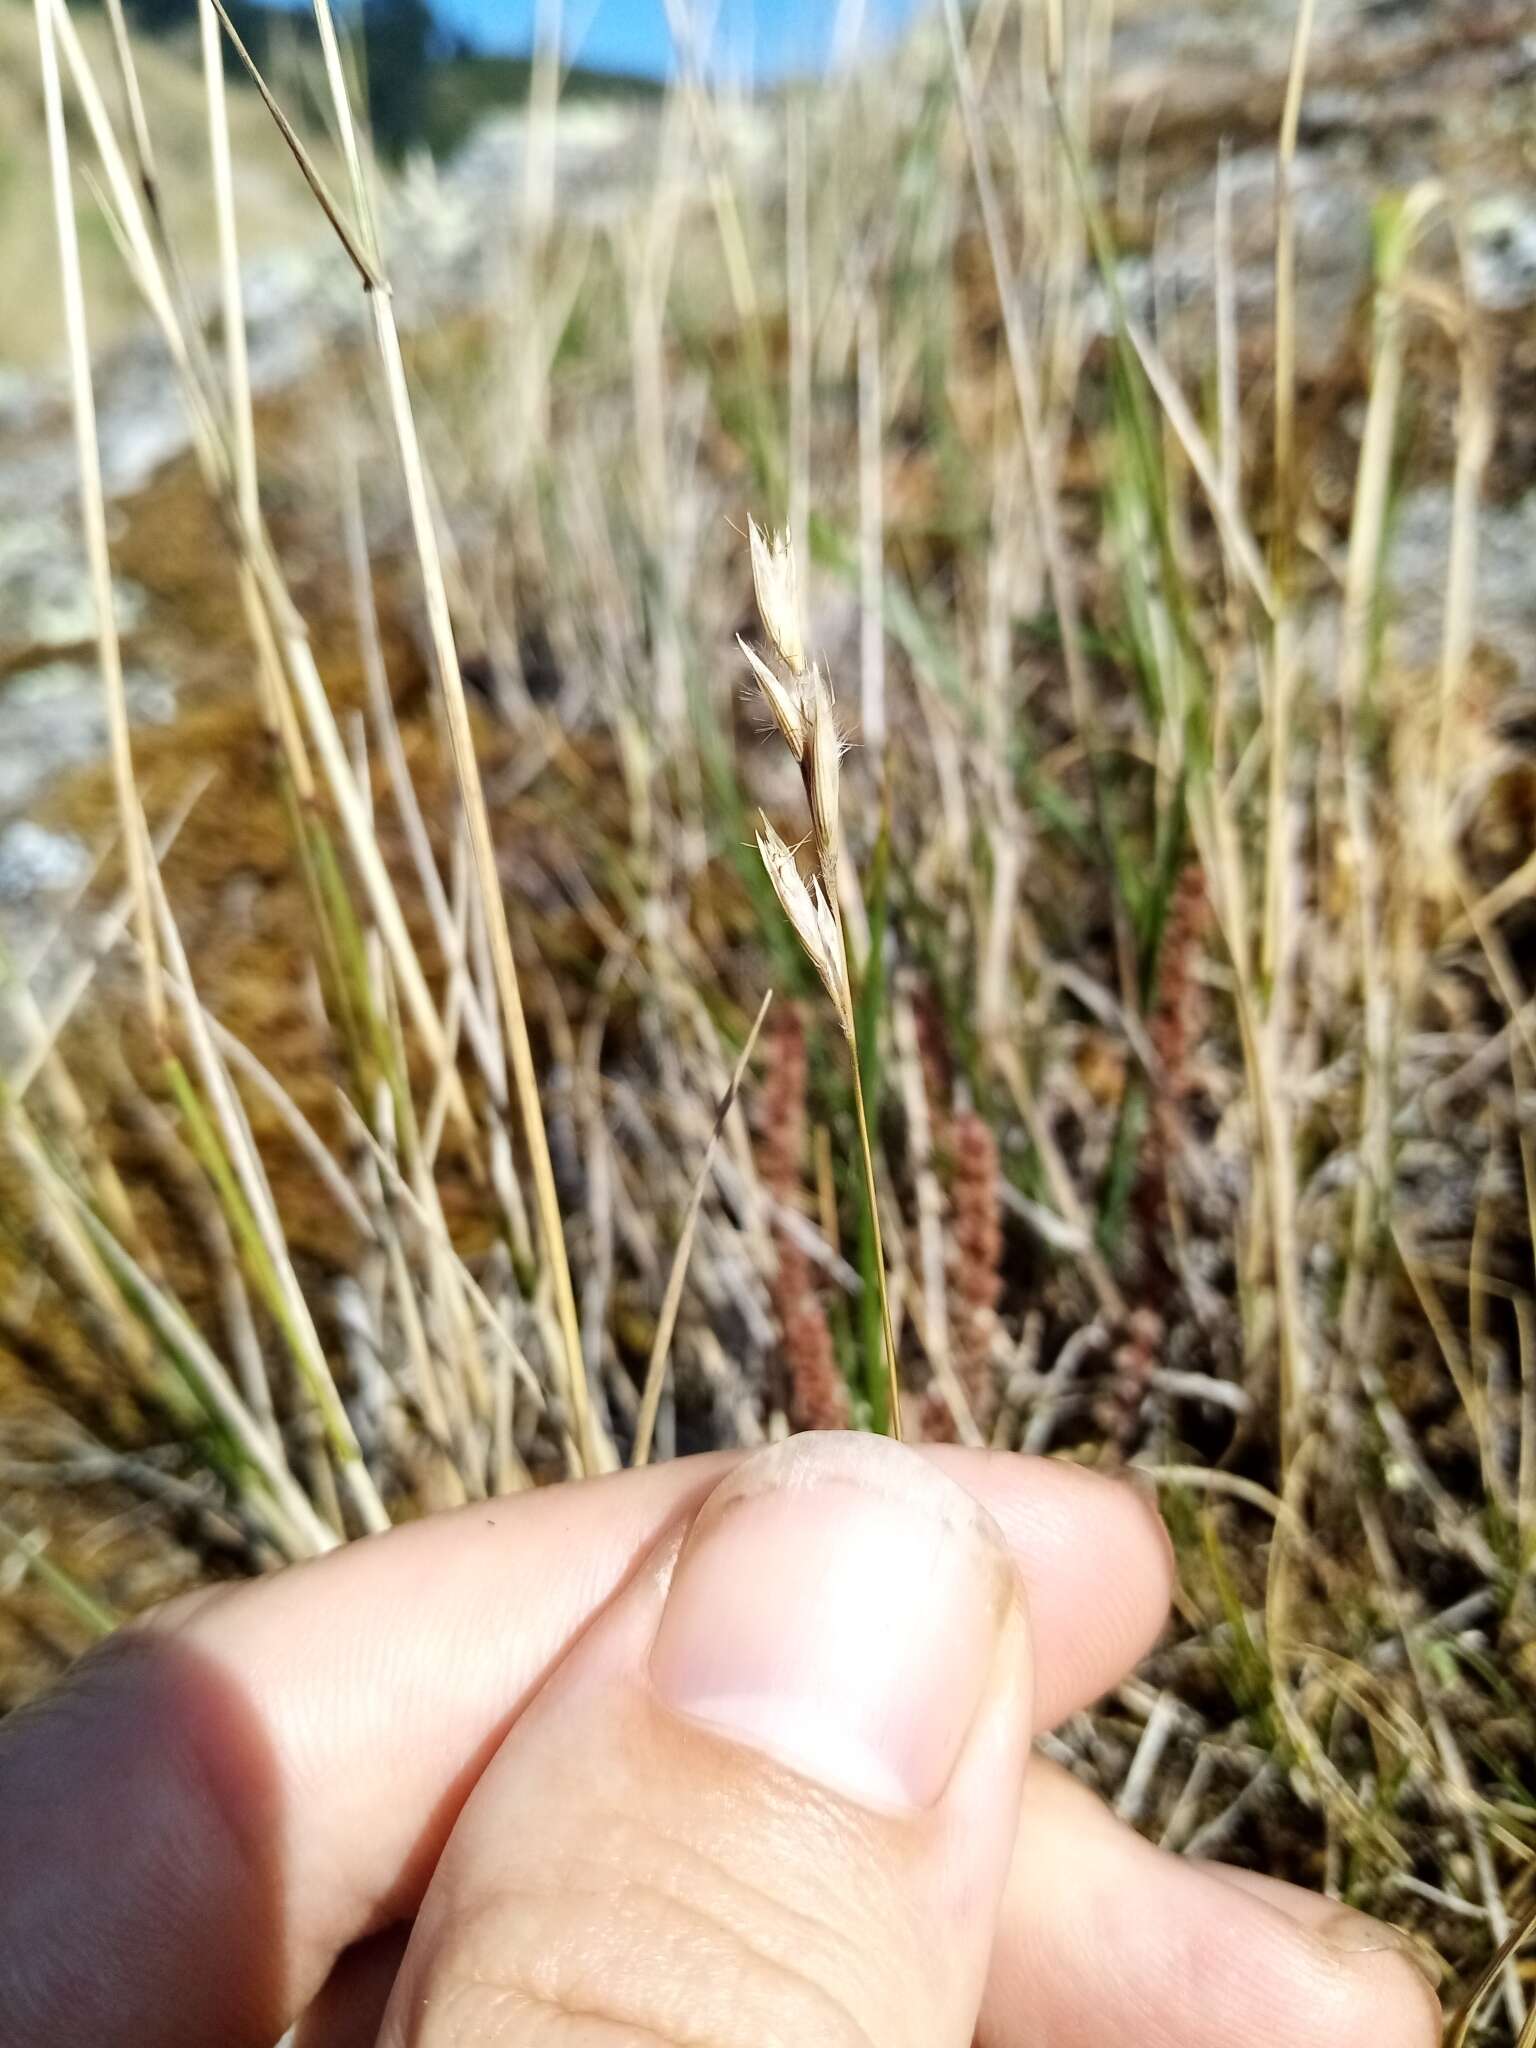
{"x":1104,"y":1939}
{"x":1043,"y":1992}
{"x":265,"y":1776}
{"x":1345,"y":1931}
{"x":770,"y":1796}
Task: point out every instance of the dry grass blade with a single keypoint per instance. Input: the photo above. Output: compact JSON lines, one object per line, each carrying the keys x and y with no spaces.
{"x":142,"y":253}
{"x":94,"y":514}
{"x":133,"y":98}
{"x":301,"y":156}
{"x":930,"y":1224}
{"x":298,"y":1126}
{"x":871,"y":531}
{"x":276,"y":627}
{"x":1285,"y":265}
{"x":98,"y":1619}
{"x":286,"y":1296}
{"x":592,"y":1446}
{"x":1459,"y":2032}
{"x":295,"y":1526}
{"x":666,"y":1321}
{"x":1476,"y":426}
{"x":1222,"y":498}
{"x":1274,"y":953}
{"x":1373,"y":488}
{"x":595,"y":1452}
{"x":43,"y":1031}
{"x":276,"y":700}
{"x":1059,"y":571}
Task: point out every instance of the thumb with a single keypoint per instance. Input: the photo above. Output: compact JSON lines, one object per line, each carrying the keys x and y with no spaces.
{"x":770,"y":1796}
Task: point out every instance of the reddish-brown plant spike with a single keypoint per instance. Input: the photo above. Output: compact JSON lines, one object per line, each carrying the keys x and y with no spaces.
{"x":818,"y":1394}
{"x":976,"y":1275}
{"x":933,"y":1054}
{"x":818,"y":1391}
{"x":935,"y":1424}
{"x":1135,"y":1359}
{"x":1174,"y":1027}
{"x":1178,"y":1015}
{"x":781,"y":1133}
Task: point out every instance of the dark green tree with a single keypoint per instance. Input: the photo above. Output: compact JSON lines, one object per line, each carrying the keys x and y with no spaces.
{"x":398,"y":39}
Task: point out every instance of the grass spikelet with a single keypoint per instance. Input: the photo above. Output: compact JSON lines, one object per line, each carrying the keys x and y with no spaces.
{"x":821,"y":769}
{"x":776,"y":583}
{"x":784,"y":702}
{"x":815,"y":923}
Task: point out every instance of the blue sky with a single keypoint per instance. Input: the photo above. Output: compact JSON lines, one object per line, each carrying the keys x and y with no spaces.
{"x":764,"y":38}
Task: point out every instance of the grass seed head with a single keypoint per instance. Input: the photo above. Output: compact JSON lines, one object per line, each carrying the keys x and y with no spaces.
{"x":816,"y":927}
{"x":782,"y":699}
{"x":823,"y":760}
{"x":778,"y":595}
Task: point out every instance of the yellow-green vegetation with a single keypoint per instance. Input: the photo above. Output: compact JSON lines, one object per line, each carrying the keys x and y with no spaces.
{"x":1174,"y":899}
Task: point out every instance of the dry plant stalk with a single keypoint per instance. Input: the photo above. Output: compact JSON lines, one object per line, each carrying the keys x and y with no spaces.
{"x":806,"y":716}
{"x":1274,"y":948}
{"x":594,"y":1452}
{"x":94,"y":520}
{"x":666,"y":1322}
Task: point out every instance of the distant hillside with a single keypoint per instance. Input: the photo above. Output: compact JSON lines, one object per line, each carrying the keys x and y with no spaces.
{"x":424,"y":88}
{"x":423,"y":91}
{"x":465,"y":84}
{"x":274,"y":207}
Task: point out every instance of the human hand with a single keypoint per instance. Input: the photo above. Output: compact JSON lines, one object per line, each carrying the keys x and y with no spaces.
{"x":728,"y":1752}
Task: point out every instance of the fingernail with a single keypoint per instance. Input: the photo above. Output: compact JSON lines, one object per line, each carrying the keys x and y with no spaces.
{"x":1357,"y":1934}
{"x":839,"y":1604}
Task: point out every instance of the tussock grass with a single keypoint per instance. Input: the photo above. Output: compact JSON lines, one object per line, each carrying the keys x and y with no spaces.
{"x":1152,"y":1056}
